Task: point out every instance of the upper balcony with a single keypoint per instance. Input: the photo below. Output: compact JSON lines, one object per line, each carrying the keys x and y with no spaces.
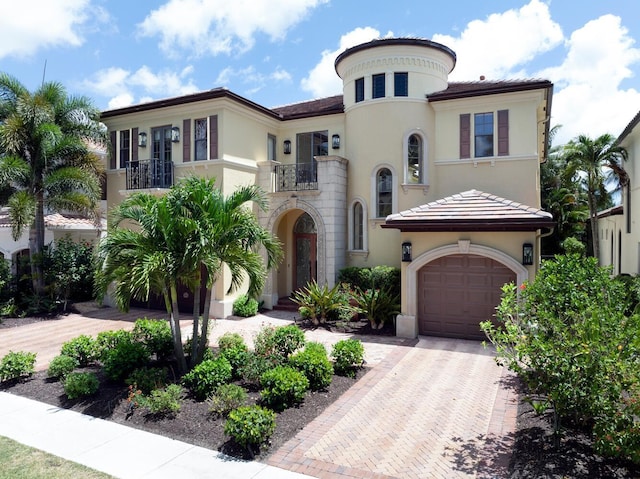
{"x":150,"y":173}
{"x":300,"y":177}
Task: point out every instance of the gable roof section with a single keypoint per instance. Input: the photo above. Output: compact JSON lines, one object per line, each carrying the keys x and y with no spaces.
{"x":471,"y":211}
{"x":322,"y":106}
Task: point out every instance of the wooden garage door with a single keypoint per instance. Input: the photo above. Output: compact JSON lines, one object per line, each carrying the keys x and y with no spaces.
{"x":457,"y":292}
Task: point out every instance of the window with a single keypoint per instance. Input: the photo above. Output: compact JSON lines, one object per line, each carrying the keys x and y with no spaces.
{"x":359,"y":90}
{"x":271,"y":147}
{"x":401,"y":84}
{"x":377,"y":86}
{"x":357,"y":227}
{"x":200,"y":139}
{"x":125,"y":147}
{"x":414,"y":160}
{"x":310,"y":145}
{"x":483,"y":134}
{"x":384,"y":193}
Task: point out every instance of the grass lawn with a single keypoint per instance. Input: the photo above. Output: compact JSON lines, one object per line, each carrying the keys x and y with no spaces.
{"x":23,"y":462}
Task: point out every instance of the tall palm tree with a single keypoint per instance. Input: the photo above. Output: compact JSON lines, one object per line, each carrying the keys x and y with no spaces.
{"x":193,"y":228}
{"x":596,"y":162}
{"x":228,"y":233}
{"x":46,"y":163}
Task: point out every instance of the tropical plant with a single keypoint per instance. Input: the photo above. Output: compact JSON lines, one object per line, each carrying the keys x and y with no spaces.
{"x":596,"y":164}
{"x":318,"y":302}
{"x":192,"y":229}
{"x":46,"y":162}
{"x":379,"y":305}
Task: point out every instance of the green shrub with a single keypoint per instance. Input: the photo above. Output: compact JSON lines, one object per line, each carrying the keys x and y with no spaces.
{"x":250,"y":426}
{"x":82,"y":348}
{"x":386,"y":278}
{"x":148,"y":379}
{"x":233,"y":347}
{"x":206,"y":376}
{"x":287,"y":339}
{"x":16,"y":365}
{"x":156,"y":335}
{"x":314,"y":363}
{"x":319,"y":303}
{"x":126,"y":357}
{"x":354,"y":276}
{"x":78,"y":385}
{"x":264,"y":342}
{"x":226,"y":398}
{"x":245,"y":306}
{"x":69,"y":270}
{"x":61,"y":366}
{"x":231,"y":341}
{"x":570,"y":337}
{"x":348,"y":356}
{"x":108,"y":340}
{"x":164,"y":401}
{"x":379,"y":305}
{"x":256,"y":365}
{"x":283,"y":387}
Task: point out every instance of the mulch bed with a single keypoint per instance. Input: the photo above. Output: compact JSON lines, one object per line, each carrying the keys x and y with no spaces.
{"x":535,"y":454}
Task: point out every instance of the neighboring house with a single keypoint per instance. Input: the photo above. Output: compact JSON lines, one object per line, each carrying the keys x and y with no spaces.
{"x":403,"y":169}
{"x":617,"y":226}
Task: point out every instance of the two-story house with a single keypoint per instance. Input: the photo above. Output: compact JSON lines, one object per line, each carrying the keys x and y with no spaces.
{"x":403,"y":169}
{"x":617,"y":226}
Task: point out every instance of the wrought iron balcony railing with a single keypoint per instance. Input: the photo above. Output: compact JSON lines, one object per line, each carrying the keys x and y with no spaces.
{"x":151,"y":173}
{"x":302,"y":176}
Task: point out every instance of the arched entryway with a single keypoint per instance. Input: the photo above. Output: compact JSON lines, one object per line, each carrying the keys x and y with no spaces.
{"x":305,"y":239}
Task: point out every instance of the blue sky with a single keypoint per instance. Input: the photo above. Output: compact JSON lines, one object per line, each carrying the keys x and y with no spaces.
{"x":276,"y":52}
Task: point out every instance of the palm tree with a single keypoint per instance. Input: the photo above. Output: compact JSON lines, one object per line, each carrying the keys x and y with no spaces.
{"x":186,"y":236}
{"x":45,"y":160}
{"x":596,"y":163}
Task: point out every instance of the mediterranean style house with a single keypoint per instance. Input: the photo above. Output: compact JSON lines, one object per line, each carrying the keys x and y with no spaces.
{"x":403,"y":169}
{"x":619,"y":233}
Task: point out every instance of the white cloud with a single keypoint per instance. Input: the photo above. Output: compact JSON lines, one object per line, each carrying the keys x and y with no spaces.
{"x":501,"y":45}
{"x":30,"y":25}
{"x":589,"y":99}
{"x":122,"y":85}
{"x":221,"y":26}
{"x":253,"y":80}
{"x":322,"y":79}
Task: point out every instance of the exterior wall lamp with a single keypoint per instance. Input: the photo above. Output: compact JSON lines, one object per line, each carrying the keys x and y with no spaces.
{"x":406,"y":252}
{"x":527,"y":254}
{"x":142,"y":139}
{"x":175,"y":134}
{"x":287,"y":147}
{"x":335,"y":142}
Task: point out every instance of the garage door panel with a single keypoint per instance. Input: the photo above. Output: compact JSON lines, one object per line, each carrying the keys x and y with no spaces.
{"x":457,"y":292}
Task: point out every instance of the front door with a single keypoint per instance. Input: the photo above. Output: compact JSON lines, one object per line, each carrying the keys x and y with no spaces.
{"x":306,"y":259}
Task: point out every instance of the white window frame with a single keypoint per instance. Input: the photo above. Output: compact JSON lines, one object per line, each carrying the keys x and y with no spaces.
{"x":351,"y":232}
{"x":373,"y":211}
{"x":423,"y":160}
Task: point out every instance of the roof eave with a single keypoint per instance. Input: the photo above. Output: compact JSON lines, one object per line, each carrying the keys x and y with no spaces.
{"x":459,"y":226}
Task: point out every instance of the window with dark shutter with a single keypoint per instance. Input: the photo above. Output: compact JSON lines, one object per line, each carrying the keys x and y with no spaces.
{"x":213,"y":136}
{"x":503,"y":132}
{"x":134,"y":144}
{"x":125,"y":146}
{"x":112,"y":150}
{"x":186,"y":141}
{"x":465,"y":135}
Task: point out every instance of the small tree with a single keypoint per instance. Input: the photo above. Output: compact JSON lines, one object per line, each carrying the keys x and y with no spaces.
{"x":70,"y":268}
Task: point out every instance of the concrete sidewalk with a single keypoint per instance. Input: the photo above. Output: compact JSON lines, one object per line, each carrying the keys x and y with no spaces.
{"x":119,"y":450}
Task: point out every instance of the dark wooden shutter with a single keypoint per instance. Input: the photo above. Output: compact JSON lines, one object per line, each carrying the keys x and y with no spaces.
{"x":186,"y":140}
{"x":112,"y":149}
{"x":134,"y":144}
{"x":213,"y":137}
{"x":465,"y":135}
{"x":503,"y":132}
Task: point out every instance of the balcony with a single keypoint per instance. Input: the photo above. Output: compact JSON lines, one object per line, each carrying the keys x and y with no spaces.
{"x":300,"y":177}
{"x":153,"y":173}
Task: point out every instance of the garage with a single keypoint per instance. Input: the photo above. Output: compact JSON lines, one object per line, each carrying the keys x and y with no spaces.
{"x":457,"y":292}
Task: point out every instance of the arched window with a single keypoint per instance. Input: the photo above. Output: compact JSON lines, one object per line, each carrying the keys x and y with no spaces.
{"x":384,"y":193}
{"x":414,"y":160}
{"x":357,"y":225}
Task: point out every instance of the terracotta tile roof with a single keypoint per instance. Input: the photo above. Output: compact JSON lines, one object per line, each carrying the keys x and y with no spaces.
{"x":322,"y":106}
{"x":471,"y":211}
{"x":59,"y":221}
{"x":485,"y":87}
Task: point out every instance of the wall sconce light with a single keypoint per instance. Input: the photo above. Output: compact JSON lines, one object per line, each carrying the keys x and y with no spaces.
{"x":287,"y":147}
{"x":142,"y":139}
{"x":175,"y":134}
{"x":406,"y":252}
{"x":527,"y":254}
{"x":335,"y":142}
